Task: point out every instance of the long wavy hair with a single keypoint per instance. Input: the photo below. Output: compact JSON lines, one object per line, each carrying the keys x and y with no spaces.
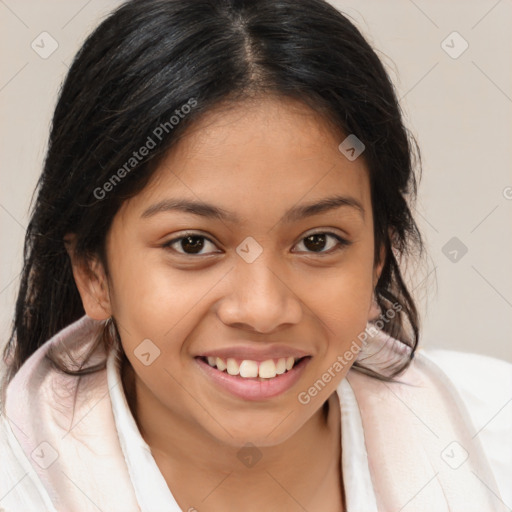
{"x":140,"y":66}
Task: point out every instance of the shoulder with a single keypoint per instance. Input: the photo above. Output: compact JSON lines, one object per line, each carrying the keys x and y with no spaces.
{"x":484,"y":384}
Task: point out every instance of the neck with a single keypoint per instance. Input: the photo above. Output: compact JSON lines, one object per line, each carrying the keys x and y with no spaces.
{"x":204,"y":473}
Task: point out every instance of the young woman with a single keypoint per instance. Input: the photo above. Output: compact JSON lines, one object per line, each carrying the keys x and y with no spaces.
{"x":212,"y":314}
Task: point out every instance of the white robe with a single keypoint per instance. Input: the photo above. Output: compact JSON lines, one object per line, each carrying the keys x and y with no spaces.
{"x":442,"y":444}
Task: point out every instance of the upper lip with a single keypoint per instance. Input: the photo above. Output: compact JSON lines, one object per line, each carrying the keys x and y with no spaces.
{"x":255,"y":354}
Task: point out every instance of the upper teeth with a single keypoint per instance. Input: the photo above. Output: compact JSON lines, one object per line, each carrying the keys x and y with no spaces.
{"x":248,"y":368}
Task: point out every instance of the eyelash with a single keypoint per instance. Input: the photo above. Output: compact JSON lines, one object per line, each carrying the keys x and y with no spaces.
{"x":342,"y":243}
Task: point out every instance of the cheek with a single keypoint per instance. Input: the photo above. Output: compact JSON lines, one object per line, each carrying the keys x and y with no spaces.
{"x":343,"y":298}
{"x":151,"y":300}
{"x":143,"y":288}
{"x":344,"y":308}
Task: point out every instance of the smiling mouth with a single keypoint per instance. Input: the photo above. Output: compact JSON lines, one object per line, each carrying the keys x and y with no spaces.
{"x":253,"y":370}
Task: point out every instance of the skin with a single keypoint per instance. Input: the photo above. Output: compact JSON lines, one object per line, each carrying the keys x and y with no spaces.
{"x":257,"y":160}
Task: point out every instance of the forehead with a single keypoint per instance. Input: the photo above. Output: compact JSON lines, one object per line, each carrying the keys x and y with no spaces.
{"x":257,"y":157}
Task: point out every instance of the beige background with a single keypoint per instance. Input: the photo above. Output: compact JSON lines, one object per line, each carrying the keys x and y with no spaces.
{"x":460,"y":110}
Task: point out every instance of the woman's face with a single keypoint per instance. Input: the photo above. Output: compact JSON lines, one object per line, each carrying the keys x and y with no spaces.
{"x":261,"y":278}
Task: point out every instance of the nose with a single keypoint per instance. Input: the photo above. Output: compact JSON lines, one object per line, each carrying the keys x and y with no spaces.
{"x":262,"y":298}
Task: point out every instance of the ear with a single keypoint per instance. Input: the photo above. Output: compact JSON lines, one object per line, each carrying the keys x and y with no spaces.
{"x":382,"y":255}
{"x":91,"y":281}
{"x":380,"y":265}
{"x":374,"y":310}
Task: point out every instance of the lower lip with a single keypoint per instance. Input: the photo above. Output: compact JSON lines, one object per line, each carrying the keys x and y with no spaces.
{"x":254,"y":388}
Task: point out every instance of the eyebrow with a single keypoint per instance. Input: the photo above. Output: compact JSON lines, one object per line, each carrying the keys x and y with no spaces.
{"x":294,"y":214}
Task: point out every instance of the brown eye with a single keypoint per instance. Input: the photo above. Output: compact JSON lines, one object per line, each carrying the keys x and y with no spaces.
{"x":190,"y":244}
{"x":317,"y":242}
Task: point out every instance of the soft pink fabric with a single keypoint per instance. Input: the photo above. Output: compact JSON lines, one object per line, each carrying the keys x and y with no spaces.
{"x":90,"y":470}
{"x":416,"y":435}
